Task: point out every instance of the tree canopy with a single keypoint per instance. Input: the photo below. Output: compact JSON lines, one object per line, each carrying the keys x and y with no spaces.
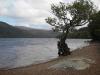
{"x":68,"y":16}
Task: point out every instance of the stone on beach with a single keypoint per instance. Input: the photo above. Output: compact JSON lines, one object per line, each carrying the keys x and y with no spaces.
{"x":75,"y":63}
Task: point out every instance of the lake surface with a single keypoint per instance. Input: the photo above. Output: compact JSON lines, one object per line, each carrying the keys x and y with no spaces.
{"x":19,"y":52}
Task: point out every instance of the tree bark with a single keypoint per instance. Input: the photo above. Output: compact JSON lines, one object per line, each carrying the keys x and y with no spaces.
{"x":63,"y":49}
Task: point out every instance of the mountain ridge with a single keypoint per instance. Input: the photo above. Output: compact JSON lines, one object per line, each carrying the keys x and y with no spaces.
{"x":9,"y":31}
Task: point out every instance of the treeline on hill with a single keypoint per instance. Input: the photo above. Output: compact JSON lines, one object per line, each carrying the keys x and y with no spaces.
{"x":80,"y":33}
{"x":94,"y":26}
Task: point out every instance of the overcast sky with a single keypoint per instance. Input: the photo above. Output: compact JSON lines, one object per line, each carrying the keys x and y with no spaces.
{"x":30,"y":13}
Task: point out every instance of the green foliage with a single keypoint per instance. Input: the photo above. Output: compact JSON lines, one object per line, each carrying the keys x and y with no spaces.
{"x":94,"y":26}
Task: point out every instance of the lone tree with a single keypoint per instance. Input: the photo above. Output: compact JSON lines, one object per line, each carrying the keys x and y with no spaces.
{"x":67,"y":17}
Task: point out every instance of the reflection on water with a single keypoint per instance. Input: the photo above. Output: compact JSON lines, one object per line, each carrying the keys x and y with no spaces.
{"x":17,"y":52}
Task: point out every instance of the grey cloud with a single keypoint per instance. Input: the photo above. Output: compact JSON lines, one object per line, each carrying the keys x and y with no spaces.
{"x":29,"y":11}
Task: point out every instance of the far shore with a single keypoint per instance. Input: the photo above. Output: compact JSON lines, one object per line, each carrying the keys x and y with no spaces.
{"x":90,"y":52}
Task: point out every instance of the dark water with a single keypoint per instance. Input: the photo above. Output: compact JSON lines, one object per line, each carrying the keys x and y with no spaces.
{"x":18,"y":52}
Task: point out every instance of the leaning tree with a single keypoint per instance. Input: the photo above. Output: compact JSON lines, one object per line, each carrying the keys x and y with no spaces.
{"x":67,"y":17}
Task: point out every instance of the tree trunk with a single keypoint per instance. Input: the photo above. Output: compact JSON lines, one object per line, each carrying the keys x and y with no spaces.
{"x":63,"y":49}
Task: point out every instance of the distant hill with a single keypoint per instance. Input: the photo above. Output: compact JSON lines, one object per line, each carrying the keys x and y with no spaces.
{"x":9,"y":31}
{"x":39,"y":32}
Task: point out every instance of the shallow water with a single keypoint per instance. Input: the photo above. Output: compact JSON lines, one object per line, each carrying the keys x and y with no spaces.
{"x":19,"y":52}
